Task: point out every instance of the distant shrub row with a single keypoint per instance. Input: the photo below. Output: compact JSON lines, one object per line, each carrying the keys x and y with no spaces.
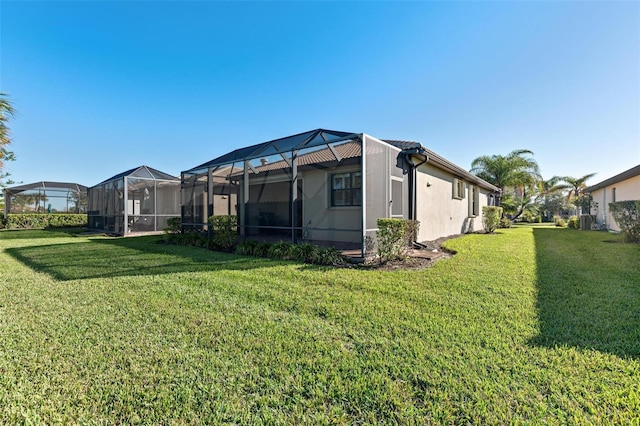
{"x":41,"y":221}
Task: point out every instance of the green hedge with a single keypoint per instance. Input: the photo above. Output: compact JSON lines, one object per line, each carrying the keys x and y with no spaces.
{"x":41,"y":221}
{"x":395,"y":237}
{"x":627,"y":216}
{"x":491,"y":218}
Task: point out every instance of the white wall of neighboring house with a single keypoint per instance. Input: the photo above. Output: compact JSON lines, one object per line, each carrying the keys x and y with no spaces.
{"x":628,"y":189}
{"x":439,"y":212}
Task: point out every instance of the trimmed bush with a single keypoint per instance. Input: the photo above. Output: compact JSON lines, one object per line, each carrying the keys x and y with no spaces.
{"x":224,"y":232}
{"x":392,"y":239}
{"x":491,"y":218}
{"x":559,"y":221}
{"x":173,"y":228}
{"x":574,"y":222}
{"x":505,"y":223}
{"x":627,"y":216}
{"x":42,"y":221}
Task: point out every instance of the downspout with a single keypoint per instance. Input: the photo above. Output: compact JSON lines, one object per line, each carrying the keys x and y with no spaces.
{"x":413,"y":193}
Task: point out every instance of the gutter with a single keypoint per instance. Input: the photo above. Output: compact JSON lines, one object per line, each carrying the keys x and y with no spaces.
{"x":413,"y":194}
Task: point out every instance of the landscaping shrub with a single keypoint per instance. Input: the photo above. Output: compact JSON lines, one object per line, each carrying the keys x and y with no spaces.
{"x":262,"y":249}
{"x":491,"y":218}
{"x":505,"y":222}
{"x":412,"y":227}
{"x":559,"y":221}
{"x":172,"y":229}
{"x":627,"y":216}
{"x":281,"y":250}
{"x":392,"y":239}
{"x":247,"y":248}
{"x":574,"y":222}
{"x":306,"y":252}
{"x":41,"y":221}
{"x":330,"y":256}
{"x":224,"y":232}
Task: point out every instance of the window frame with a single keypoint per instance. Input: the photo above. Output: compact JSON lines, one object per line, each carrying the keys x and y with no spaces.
{"x":458,"y":189}
{"x":354,"y":192}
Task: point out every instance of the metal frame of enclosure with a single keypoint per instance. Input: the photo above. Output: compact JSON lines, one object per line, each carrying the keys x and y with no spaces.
{"x":46,"y":197}
{"x":315,"y":187}
{"x":149,"y":195}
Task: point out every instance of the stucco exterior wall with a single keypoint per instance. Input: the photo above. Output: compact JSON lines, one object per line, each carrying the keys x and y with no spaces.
{"x":628,"y":189}
{"x":439,"y":213}
{"x":318,"y":213}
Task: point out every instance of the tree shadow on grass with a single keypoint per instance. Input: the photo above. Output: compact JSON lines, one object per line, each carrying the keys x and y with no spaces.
{"x":588,"y":292}
{"x":134,"y":256}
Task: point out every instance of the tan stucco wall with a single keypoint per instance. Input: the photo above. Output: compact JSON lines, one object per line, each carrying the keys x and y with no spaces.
{"x":316,"y":206}
{"x":626,"y":190}
{"x":440,"y":214}
{"x":318,"y":213}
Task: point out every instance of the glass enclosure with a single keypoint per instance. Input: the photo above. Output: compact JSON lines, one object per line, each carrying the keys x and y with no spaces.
{"x":138,"y":200}
{"x":46,"y":197}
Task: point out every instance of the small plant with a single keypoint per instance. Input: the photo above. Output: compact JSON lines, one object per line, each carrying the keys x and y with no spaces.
{"x":306,"y":252}
{"x":262,"y":249}
{"x":330,"y":256}
{"x":281,"y":250}
{"x":247,"y":248}
{"x":412,"y":228}
{"x":559,"y":221}
{"x":574,"y":222}
{"x":491,"y":218}
{"x":505,"y":223}
{"x":173,"y":228}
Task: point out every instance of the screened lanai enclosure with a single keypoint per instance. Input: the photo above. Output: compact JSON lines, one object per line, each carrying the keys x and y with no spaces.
{"x":138,"y":200}
{"x":46,"y":197}
{"x":314,"y":187}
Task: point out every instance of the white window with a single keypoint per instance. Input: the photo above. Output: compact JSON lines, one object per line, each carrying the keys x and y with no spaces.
{"x":458,"y":189}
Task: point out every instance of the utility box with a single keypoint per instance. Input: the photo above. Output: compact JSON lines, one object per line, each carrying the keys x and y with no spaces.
{"x":586,"y":220}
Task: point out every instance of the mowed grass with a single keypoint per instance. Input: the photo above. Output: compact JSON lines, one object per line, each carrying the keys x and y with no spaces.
{"x":530,"y":325}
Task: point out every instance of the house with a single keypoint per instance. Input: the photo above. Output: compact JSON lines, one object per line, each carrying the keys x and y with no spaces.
{"x":134,"y":201}
{"x":330,"y":187}
{"x":46,"y":197}
{"x":622,"y":187}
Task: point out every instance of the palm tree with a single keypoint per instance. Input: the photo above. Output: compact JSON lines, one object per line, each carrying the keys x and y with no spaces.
{"x":548,"y":190}
{"x":516,"y":171}
{"x":6,"y":111}
{"x":576,"y":185}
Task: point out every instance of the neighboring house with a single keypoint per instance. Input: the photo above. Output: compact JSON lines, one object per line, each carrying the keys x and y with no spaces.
{"x":138,"y":200}
{"x":622,"y":187}
{"x":330,"y":187}
{"x":46,"y":197}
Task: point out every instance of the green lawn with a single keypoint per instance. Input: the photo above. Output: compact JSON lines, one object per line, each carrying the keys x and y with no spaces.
{"x":530,"y":325}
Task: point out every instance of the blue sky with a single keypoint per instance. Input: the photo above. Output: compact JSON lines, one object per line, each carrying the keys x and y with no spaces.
{"x":102,"y":87}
